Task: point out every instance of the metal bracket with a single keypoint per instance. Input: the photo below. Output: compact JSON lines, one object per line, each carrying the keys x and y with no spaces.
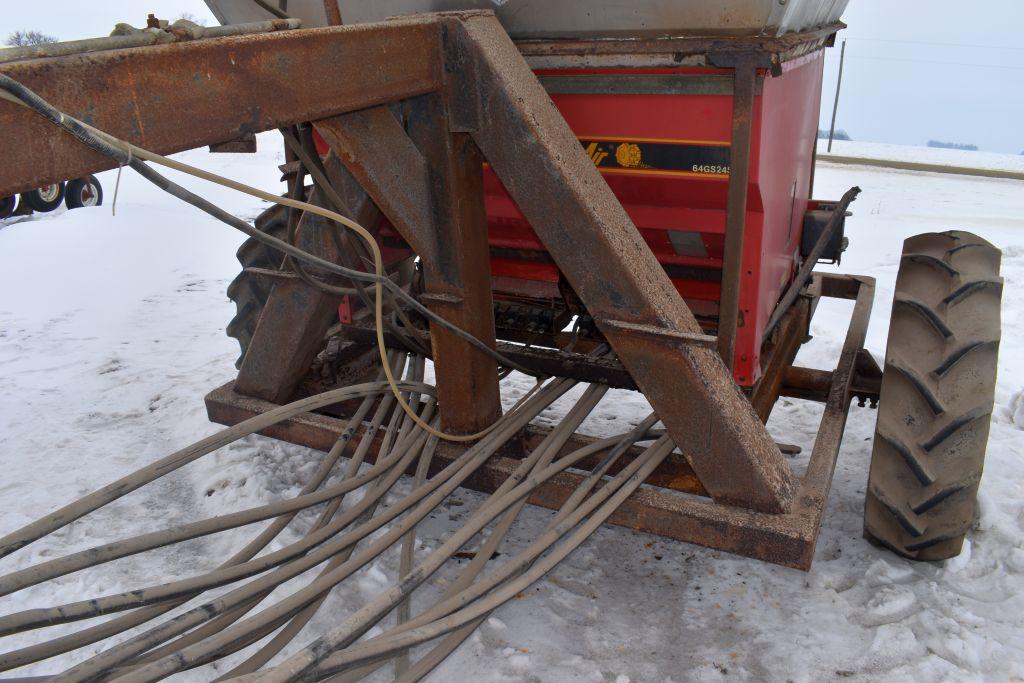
{"x":672,"y":337}
{"x":442,"y":299}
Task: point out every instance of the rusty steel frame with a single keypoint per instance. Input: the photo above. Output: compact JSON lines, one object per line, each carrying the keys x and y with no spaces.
{"x":428,"y":183}
{"x":226,"y":87}
{"x":780,"y":352}
{"x":674,"y":504}
{"x":466,"y":94}
{"x":458,"y":279}
{"x":744,"y":82}
{"x":772,"y":49}
{"x":296,"y":316}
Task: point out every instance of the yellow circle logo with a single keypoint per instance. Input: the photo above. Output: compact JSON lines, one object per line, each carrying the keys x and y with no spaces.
{"x":628,"y":155}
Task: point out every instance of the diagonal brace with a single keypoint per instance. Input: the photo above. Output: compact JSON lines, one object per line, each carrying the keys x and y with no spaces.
{"x":493,"y":95}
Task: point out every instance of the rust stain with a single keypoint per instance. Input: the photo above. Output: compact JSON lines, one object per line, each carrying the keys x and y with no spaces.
{"x":140,"y":127}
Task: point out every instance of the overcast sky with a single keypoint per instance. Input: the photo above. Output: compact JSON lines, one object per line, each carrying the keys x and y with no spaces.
{"x":915,"y":69}
{"x":931,"y":69}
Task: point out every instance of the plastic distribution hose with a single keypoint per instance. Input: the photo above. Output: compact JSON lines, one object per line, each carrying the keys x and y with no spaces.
{"x":257,"y":543}
{"x":111,"y":492}
{"x":246,"y":553}
{"x":485,"y":514}
{"x":193,"y":586}
{"x":415,"y":374}
{"x":479,"y":453}
{"x":223,"y":614}
{"x":612,"y":496}
{"x":110,"y":628}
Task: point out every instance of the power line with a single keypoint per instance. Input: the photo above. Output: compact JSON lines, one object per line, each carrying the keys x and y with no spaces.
{"x":935,"y":61}
{"x":929,"y":42}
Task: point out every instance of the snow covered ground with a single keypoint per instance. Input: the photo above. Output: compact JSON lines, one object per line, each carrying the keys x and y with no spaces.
{"x":112,"y":331}
{"x":924,"y":155}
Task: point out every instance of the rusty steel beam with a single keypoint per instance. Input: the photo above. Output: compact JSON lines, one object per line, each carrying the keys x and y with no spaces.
{"x":786,"y":45}
{"x":457,"y":279}
{"x":375,"y":149}
{"x":243,"y":145}
{"x":808,"y":384}
{"x":544,"y":361}
{"x":429,"y":186}
{"x":296,"y":315}
{"x":744,"y":82}
{"x":333,"y":13}
{"x":779,"y":359}
{"x":169,"y":98}
{"x":531,"y":148}
{"x":315,"y":430}
{"x":818,"y":479}
{"x":813,"y":385}
{"x":790,"y":381}
{"x":782,"y":539}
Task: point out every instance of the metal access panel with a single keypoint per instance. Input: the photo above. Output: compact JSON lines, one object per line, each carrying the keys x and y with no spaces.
{"x":578,"y":18}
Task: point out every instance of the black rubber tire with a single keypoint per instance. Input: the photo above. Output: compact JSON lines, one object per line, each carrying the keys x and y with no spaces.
{"x":81,"y":192}
{"x":7,"y":205}
{"x":43,"y":203}
{"x":937,"y":396}
{"x":250,"y":293}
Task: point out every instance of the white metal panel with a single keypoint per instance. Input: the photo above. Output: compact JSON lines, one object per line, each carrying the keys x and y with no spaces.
{"x":578,"y":18}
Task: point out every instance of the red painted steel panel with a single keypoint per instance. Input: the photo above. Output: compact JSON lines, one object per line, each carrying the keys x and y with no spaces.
{"x":788,"y":121}
{"x":666,"y":200}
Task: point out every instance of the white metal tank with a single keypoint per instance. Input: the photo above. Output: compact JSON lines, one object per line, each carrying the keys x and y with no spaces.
{"x":575,"y":18}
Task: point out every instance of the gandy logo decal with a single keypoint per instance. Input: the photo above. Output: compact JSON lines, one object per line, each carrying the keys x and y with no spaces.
{"x":628,"y":155}
{"x":659,"y":157}
{"x":596,"y":154}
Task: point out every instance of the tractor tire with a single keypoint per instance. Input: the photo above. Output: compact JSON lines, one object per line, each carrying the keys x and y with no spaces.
{"x":81,"y":192}
{"x":247,"y":291}
{"x":45,"y":199}
{"x":7,"y":205}
{"x":937,"y":396}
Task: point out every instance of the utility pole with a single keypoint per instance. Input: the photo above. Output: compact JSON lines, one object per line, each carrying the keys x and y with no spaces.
{"x":835,"y":105}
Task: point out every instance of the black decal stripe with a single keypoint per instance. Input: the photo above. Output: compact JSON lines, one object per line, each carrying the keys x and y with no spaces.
{"x":640,"y":156}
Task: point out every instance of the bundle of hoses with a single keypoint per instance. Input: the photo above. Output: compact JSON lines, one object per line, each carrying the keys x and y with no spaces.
{"x":251,"y":609}
{"x":188,"y":622}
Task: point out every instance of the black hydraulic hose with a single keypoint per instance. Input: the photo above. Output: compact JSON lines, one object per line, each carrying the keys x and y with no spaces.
{"x":87,"y":137}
